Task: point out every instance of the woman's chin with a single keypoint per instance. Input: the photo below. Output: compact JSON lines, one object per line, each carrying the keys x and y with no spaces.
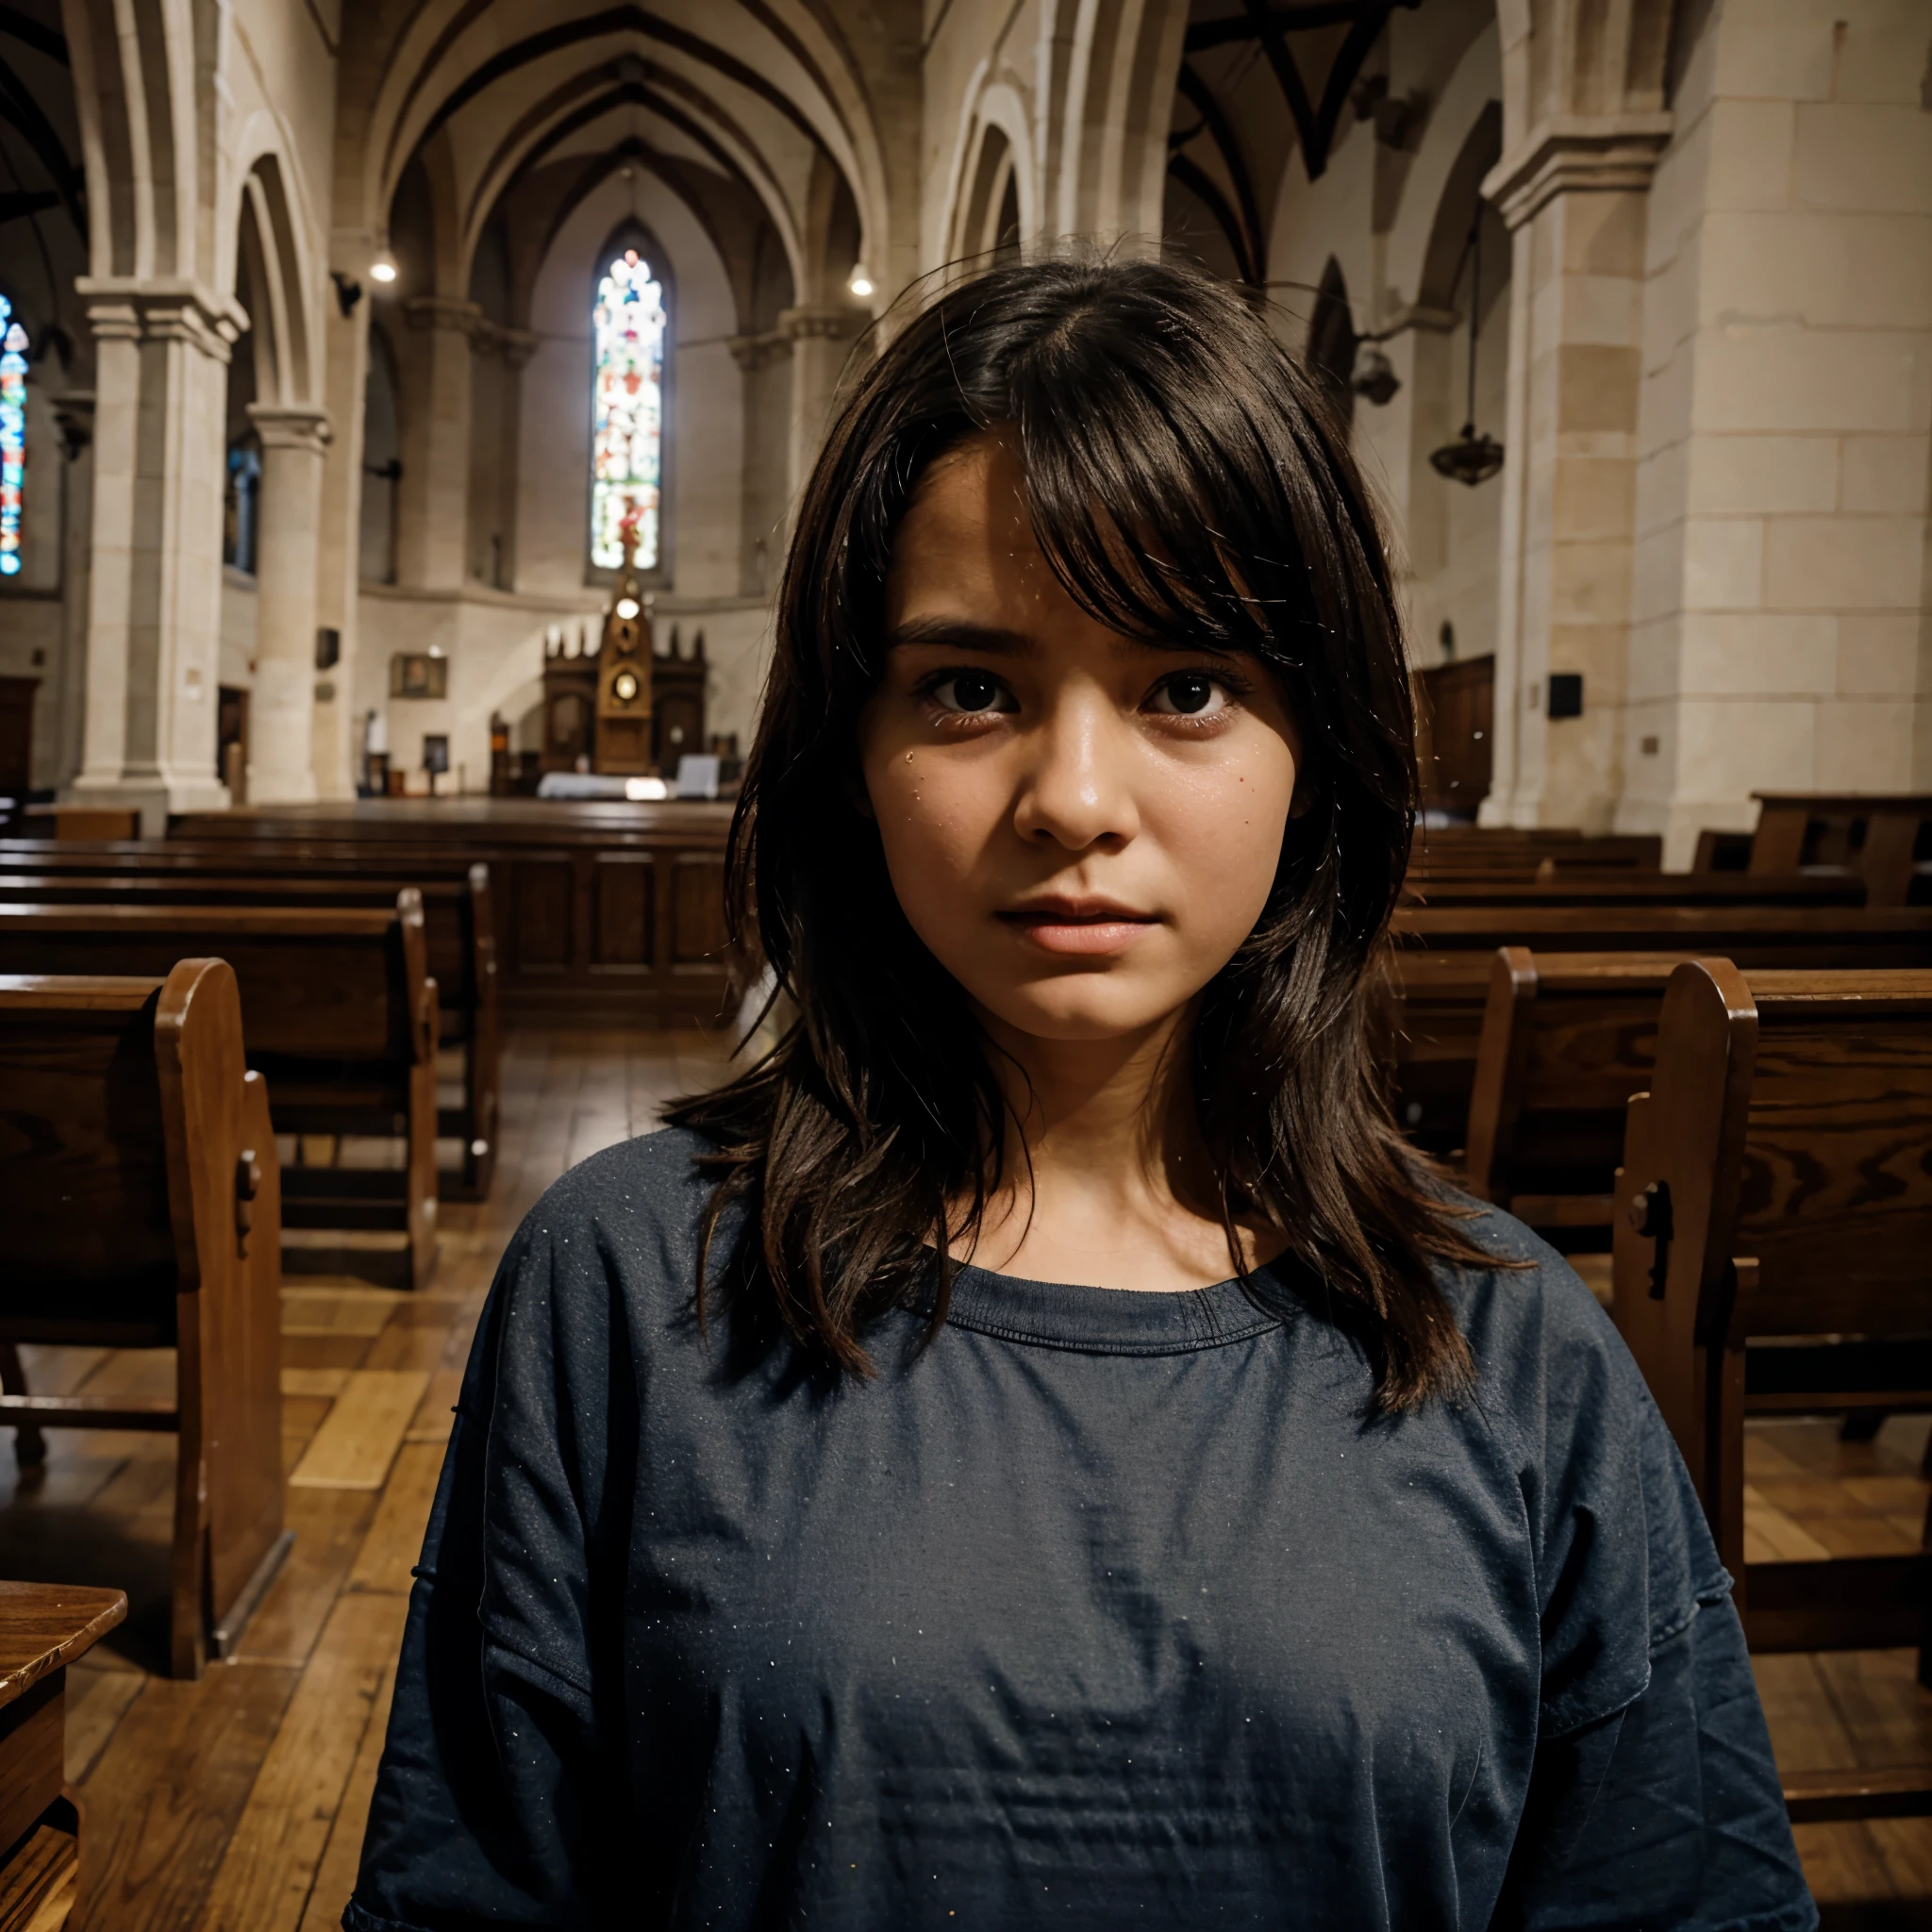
{"x":1086,"y":1007}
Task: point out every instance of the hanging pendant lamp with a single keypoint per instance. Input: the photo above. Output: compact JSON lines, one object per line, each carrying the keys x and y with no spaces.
{"x":1470,"y":458}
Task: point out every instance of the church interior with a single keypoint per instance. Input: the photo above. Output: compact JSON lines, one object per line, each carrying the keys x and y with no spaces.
{"x":403,"y":408}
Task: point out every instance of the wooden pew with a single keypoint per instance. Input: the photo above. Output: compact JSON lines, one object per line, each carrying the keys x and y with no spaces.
{"x":459,"y":935}
{"x":1559,"y":886}
{"x":44,"y":1628}
{"x":338,"y":1011}
{"x":1567,"y":1038}
{"x":1774,"y":1225}
{"x":1463,"y":849}
{"x":1443,"y":956}
{"x":1885,"y":840}
{"x":607,"y":913}
{"x":141,"y":1195}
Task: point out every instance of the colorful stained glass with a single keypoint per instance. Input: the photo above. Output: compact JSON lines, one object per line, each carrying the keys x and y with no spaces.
{"x":12,"y":436}
{"x":626,"y":414}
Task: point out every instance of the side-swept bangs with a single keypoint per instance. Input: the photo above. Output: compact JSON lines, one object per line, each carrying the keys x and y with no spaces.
{"x":1185,"y":480}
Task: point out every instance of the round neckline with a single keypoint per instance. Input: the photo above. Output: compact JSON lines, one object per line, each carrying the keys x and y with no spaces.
{"x":1104,"y":1321}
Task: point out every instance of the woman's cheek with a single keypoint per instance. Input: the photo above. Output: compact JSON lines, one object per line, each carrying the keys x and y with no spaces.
{"x":931,"y":846}
{"x":1222,"y":834}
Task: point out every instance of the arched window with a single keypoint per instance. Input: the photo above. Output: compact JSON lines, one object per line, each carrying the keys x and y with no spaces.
{"x":13,"y":436}
{"x":626,"y":412}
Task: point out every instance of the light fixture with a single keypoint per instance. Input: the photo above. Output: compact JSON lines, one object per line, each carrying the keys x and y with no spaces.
{"x":623,"y":687}
{"x":860,"y":283}
{"x":1374,"y":376}
{"x":627,"y":607}
{"x":382,"y":266}
{"x":1470,"y":458}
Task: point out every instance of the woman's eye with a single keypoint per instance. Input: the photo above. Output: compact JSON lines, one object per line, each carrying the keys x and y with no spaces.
{"x":970,"y":693}
{"x":1189,"y":695}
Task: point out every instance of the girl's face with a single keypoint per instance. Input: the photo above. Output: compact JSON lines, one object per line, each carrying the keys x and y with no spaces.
{"x":1081,"y":827}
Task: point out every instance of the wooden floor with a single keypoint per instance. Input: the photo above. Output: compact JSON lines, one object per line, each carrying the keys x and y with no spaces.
{"x":236,"y":1804}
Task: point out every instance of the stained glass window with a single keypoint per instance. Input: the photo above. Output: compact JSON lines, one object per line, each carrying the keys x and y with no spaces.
{"x":627,"y":412}
{"x":12,"y":436}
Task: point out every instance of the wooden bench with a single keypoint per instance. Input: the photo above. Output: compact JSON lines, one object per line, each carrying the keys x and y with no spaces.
{"x":1559,"y":886}
{"x":1444,"y":956}
{"x":338,"y":1011}
{"x":44,"y":1628}
{"x":1567,"y":1038}
{"x":1772,"y":1240}
{"x":139,"y":1192}
{"x":1774,"y":1221}
{"x":1883,"y":840}
{"x":607,"y":913}
{"x":1447,"y":845}
{"x":459,"y":928}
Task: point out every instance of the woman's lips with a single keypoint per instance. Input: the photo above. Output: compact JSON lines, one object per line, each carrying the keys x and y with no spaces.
{"x":1092,"y":931}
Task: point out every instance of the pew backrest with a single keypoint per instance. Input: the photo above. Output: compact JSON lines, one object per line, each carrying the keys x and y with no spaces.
{"x":1776,"y":1181}
{"x":1566,"y":1040}
{"x":336,"y":984}
{"x":141,"y":1199}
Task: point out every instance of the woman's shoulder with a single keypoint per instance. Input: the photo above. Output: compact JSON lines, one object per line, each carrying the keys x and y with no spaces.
{"x":1609,"y":1502}
{"x":635,"y":1209}
{"x":1528,"y":1299}
{"x":1548,"y":1357}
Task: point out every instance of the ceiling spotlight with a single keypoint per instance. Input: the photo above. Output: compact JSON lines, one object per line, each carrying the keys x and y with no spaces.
{"x":383,"y":267}
{"x":860,"y":283}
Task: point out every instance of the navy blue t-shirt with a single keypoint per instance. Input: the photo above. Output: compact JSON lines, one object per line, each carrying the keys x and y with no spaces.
{"x":1104,"y":1609}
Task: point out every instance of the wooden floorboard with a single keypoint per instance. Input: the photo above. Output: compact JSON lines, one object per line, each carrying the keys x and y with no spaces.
{"x":237,"y":1805}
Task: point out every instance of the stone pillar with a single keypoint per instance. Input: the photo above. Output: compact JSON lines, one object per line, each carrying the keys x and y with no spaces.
{"x":432,"y":510}
{"x":339,"y":554}
{"x":154,"y":618}
{"x":74,"y":414}
{"x":767,"y":493}
{"x":496,"y":413}
{"x":281,"y":743}
{"x":1575,"y":197}
{"x":1782,"y":642}
{"x":821,"y":337}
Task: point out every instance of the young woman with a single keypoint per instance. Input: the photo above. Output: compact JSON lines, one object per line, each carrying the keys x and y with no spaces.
{"x":1036,"y":1451}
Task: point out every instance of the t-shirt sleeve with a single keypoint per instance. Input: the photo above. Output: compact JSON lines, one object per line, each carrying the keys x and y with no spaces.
{"x":499,"y":1789}
{"x":1655,"y":1801}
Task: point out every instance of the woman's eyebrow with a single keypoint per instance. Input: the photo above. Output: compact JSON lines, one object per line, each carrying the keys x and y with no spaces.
{"x":962,"y":634}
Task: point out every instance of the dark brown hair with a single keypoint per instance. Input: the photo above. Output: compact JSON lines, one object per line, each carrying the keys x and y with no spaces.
{"x":1185,"y":479}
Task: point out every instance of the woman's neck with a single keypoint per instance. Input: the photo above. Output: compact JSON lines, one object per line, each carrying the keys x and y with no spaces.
{"x":1105,"y":1178}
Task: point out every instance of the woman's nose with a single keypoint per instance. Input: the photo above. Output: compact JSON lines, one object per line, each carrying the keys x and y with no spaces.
{"x":1076,"y":788}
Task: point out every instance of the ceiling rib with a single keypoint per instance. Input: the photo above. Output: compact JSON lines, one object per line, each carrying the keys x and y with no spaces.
{"x":1315,"y":127}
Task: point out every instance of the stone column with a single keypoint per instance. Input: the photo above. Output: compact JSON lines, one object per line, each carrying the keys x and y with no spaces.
{"x":339,"y":548}
{"x":1782,"y":640}
{"x":1575,"y":198}
{"x":496,"y":413}
{"x":432,"y":510}
{"x":767,"y":494}
{"x":74,"y":414}
{"x":281,"y":743}
{"x":821,"y":337}
{"x":154,"y":616}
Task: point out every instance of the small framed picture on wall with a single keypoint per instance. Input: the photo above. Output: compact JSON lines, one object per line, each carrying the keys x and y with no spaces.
{"x":419,"y":674}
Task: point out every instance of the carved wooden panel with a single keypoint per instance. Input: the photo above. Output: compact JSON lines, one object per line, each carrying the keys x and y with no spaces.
{"x":621,"y":922}
{"x":543,"y":902}
{"x":697,"y":910}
